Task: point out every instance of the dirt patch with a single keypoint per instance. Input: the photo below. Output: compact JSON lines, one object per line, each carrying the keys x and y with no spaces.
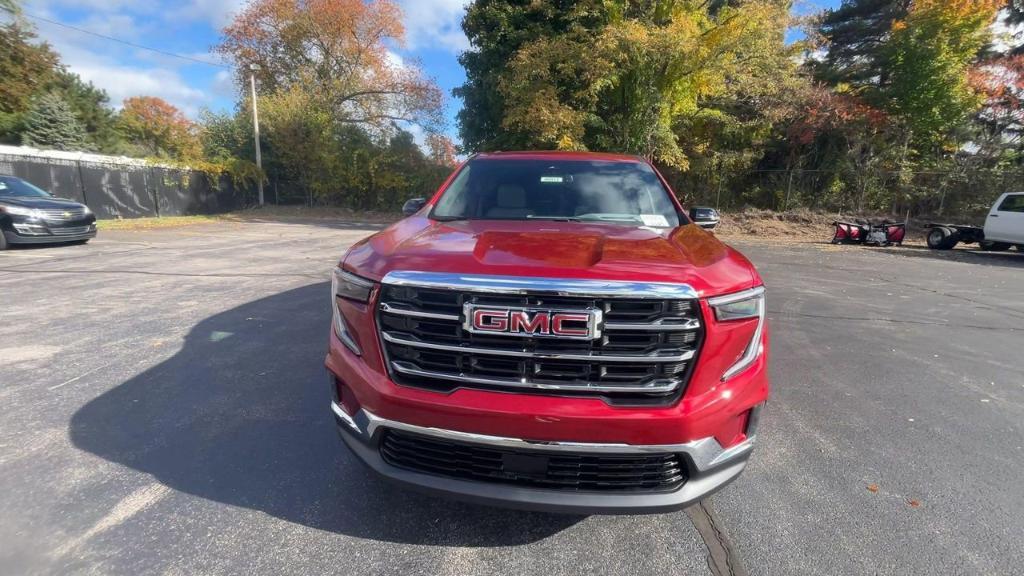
{"x":798,"y":226}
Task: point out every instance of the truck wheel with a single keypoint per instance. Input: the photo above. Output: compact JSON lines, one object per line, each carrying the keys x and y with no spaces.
{"x":942,"y":238}
{"x":994,"y":246}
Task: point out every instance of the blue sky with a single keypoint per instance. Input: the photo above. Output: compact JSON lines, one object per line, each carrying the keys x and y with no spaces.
{"x":192,"y":27}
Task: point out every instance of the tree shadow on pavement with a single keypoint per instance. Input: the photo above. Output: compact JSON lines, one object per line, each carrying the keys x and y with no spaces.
{"x":240,"y":415}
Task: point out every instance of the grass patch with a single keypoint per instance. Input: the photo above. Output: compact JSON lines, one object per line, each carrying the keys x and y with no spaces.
{"x":151,"y":223}
{"x":267,"y":213}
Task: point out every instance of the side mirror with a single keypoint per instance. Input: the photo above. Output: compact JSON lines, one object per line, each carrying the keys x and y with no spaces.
{"x":413,"y":206}
{"x":706,"y":218}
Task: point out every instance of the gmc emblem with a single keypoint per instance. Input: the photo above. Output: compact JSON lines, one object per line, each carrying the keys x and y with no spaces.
{"x":502,"y":321}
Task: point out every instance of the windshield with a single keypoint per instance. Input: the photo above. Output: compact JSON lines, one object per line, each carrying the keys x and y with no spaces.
{"x":573,"y":190}
{"x":11,"y":186}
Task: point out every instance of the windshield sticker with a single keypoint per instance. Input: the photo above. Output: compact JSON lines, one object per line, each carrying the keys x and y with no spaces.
{"x":654,"y":220}
{"x":552,"y":179}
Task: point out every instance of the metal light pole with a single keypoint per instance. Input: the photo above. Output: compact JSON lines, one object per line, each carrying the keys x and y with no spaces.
{"x":256,"y":129}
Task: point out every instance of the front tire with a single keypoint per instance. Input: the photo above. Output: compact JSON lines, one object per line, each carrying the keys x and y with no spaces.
{"x":942,"y":238}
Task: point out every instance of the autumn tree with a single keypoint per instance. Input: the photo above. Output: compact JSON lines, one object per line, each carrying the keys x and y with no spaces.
{"x":627,"y":83}
{"x":496,"y":30}
{"x":337,"y":52}
{"x":1000,"y":122}
{"x":442,"y":150}
{"x":928,"y":59}
{"x":51,"y":123}
{"x":26,"y":68}
{"x":158,"y":128}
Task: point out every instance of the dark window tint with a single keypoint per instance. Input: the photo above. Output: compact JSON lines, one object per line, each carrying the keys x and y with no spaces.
{"x":1013,"y":203}
{"x":589,"y":191}
{"x":11,"y":186}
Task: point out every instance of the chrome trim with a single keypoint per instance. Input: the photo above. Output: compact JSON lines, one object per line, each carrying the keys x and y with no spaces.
{"x":705,"y":453}
{"x":344,"y":417}
{"x":688,"y":355}
{"x":389,"y":308}
{"x":754,"y":347}
{"x":413,"y":370}
{"x":660,"y":326}
{"x":526,"y":285}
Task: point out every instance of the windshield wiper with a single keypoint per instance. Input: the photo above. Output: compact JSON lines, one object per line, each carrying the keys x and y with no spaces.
{"x":555,"y":218}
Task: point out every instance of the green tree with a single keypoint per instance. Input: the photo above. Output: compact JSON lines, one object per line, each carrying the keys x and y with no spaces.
{"x":91,"y":106}
{"x":627,"y":84}
{"x":496,"y":30}
{"x":51,"y":123}
{"x":26,"y":67}
{"x":929,"y":56}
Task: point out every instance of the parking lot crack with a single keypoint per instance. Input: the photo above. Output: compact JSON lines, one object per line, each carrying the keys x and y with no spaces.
{"x":723,"y":560}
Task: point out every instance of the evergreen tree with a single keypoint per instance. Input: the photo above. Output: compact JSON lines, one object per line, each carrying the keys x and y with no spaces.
{"x":91,"y":106}
{"x":52,"y":124}
{"x":856,"y":33}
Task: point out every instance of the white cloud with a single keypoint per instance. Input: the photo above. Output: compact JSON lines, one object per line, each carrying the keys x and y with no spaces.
{"x":122,"y":82}
{"x":434,"y":23}
{"x":217,"y":13}
{"x":107,"y":66}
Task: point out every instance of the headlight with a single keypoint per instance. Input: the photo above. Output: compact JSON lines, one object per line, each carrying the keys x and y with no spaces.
{"x":350,"y":287}
{"x":21,"y":211}
{"x":87,"y":210}
{"x":742,"y":306}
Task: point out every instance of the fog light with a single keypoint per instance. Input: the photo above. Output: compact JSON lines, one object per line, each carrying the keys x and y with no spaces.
{"x":30,"y":229}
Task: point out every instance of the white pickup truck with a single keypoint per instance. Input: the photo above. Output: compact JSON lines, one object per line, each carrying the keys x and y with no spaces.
{"x":1004,"y":228}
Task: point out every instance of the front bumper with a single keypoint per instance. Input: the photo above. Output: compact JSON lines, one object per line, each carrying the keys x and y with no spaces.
{"x":710,"y":468}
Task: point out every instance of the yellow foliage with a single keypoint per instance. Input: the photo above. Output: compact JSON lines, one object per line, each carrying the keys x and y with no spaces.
{"x":623,"y":86}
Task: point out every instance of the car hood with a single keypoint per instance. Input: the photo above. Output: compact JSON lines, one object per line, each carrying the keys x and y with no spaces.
{"x":686,"y":254}
{"x":42,"y":203}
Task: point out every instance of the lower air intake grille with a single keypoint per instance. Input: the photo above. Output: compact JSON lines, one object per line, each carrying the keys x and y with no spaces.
{"x":574,"y":472}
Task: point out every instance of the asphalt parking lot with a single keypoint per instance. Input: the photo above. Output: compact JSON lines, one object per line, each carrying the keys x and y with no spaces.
{"x":165,"y":411}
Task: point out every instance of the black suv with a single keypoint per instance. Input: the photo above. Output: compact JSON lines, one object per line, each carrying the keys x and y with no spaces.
{"x":29,"y":215}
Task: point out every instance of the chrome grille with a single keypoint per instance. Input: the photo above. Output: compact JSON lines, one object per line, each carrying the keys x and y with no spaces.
{"x":69,"y":230}
{"x":645,"y":353}
{"x":63,"y":214}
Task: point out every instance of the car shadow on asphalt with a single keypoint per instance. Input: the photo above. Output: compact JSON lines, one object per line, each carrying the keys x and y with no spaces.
{"x":240,"y":415}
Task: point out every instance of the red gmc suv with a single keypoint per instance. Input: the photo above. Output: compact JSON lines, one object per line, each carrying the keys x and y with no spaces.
{"x":550,"y":332}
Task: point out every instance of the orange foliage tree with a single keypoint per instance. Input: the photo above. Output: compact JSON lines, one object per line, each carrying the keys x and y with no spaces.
{"x":159,"y":128}
{"x":442,"y":150}
{"x":337,"y":50}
